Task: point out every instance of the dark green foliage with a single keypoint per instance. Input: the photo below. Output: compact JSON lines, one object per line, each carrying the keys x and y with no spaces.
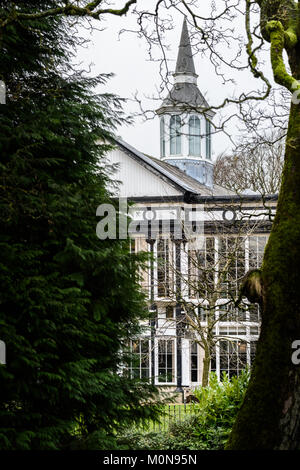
{"x":68,"y":301}
{"x":217,"y":408}
{"x":207,"y":428}
{"x":180,"y":436}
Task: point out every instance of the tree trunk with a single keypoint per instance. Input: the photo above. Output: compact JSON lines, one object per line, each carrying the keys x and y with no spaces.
{"x":206,"y":365}
{"x":270,"y":415}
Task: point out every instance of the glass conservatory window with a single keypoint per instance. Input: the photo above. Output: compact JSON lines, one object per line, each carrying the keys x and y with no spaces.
{"x":166,"y":360}
{"x":164,"y":263}
{"x":201,"y":269}
{"x":208,"y":140}
{"x":231,"y":266}
{"x":194,"y":136}
{"x":162,"y":138}
{"x":194,"y":362}
{"x":233,"y":357}
{"x":256,"y":250}
{"x":175,"y":137}
{"x":140,"y":366}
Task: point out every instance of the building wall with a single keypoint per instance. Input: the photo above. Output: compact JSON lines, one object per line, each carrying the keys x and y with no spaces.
{"x":136,"y":180}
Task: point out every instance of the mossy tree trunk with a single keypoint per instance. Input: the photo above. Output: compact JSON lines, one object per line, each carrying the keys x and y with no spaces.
{"x":270,"y":415}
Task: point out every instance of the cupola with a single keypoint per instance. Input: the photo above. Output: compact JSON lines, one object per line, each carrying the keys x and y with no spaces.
{"x":185,"y":131}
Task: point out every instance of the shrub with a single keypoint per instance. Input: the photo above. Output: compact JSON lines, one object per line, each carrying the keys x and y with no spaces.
{"x":180,"y":436}
{"x":207,"y":428}
{"x":217,"y":408}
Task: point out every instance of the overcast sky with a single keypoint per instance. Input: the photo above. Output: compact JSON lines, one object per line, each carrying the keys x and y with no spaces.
{"x":126,"y":56}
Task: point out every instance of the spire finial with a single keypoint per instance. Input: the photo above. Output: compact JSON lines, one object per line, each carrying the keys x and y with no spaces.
{"x":185,"y":61}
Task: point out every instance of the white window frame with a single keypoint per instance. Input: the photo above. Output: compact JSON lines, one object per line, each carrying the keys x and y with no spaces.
{"x":139,"y":339}
{"x":164,"y":338}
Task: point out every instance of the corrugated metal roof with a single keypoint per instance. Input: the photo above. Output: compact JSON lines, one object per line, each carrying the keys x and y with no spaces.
{"x":192,"y":182}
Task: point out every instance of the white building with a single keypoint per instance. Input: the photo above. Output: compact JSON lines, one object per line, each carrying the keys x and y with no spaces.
{"x":175,"y":193}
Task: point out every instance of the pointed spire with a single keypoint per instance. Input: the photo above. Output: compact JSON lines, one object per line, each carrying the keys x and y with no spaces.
{"x":185,"y":61}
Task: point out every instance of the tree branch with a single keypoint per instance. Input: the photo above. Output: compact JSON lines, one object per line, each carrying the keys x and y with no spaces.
{"x":70,"y":10}
{"x":277,"y":38}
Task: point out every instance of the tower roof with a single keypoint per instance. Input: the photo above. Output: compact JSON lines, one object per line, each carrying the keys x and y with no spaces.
{"x":185,"y":61}
{"x":185,"y":93}
{"x":184,"y":96}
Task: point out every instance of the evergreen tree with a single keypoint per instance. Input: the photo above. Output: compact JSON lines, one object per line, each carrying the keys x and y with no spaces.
{"x":69,"y":302}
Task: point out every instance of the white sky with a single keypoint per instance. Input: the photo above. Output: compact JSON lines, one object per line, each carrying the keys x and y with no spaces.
{"x":126,"y":57}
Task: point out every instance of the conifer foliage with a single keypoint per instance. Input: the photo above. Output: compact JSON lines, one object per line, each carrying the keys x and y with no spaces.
{"x":68,"y":300}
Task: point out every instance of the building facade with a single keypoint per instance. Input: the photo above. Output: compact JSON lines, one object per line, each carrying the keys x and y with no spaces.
{"x":202,"y":238}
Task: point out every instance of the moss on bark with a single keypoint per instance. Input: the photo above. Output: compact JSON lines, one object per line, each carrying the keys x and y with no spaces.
{"x":279,"y":39}
{"x":270,"y":415}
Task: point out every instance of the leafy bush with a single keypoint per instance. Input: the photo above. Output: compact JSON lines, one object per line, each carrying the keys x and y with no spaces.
{"x":207,"y":428}
{"x":217,"y":408}
{"x":180,"y":436}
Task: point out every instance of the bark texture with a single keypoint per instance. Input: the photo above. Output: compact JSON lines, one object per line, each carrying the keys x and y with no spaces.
{"x":270,"y":415}
{"x":206,"y":365}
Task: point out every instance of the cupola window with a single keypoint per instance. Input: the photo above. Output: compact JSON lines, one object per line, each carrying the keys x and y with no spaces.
{"x":162,"y":138}
{"x":175,"y":136}
{"x":194,"y":136}
{"x":208,"y":140}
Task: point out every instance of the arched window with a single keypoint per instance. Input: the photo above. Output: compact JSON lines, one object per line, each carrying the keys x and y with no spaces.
{"x":194,"y":136}
{"x":208,"y":140}
{"x":162,"y":138}
{"x":175,"y":136}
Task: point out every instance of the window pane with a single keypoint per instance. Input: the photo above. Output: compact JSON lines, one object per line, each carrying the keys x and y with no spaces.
{"x":175,"y":135}
{"x":201,"y":269}
{"x":194,"y":136}
{"x":145,"y":374}
{"x":169,"y":312}
{"x":194,"y":362}
{"x":140,"y":362}
{"x":166,"y":361}
{"x":161,"y":347}
{"x":233,"y":357}
{"x":169,"y":361}
{"x":162,"y":138}
{"x":208,"y":140}
{"x":256,"y":250}
{"x":170,"y":345}
{"x":163,"y":268}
